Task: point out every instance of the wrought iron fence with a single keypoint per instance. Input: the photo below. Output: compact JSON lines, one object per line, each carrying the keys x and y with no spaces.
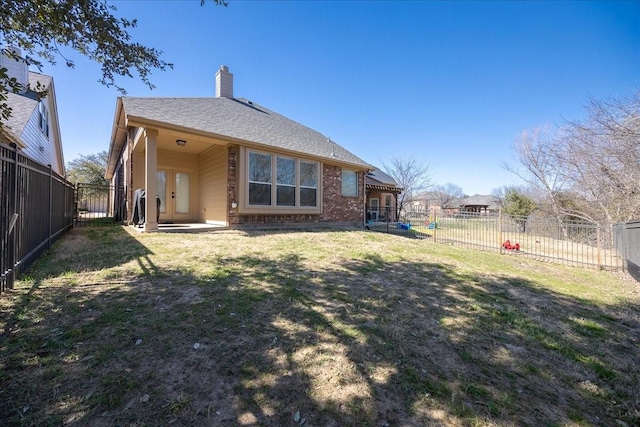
{"x":94,"y":205}
{"x":570,"y":242}
{"x":36,"y":210}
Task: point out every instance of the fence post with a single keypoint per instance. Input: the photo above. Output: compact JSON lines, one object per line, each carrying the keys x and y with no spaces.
{"x":435,"y":225}
{"x":598,"y":246}
{"x":386,"y":217}
{"x":13,"y":196}
{"x":500,"y":231}
{"x":76,"y":191}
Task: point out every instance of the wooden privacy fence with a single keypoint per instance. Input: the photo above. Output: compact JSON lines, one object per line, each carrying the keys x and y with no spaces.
{"x":36,"y":210}
{"x":570,"y":242}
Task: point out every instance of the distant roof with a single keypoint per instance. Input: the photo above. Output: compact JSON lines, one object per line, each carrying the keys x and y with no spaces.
{"x":478,"y":200}
{"x":22,"y":105}
{"x":241,"y":119}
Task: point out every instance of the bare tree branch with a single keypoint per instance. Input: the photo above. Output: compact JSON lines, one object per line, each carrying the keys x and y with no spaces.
{"x":412,"y":175}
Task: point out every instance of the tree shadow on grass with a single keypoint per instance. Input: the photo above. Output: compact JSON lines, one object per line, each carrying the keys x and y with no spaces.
{"x":361,"y":342}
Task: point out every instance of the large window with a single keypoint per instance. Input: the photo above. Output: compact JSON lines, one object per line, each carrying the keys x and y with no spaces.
{"x":296,"y":181}
{"x":349,"y":183}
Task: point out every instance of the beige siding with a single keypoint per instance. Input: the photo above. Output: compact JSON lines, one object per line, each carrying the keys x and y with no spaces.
{"x":166,"y":160}
{"x":138,"y":170}
{"x":177,"y":160}
{"x":213,"y":185}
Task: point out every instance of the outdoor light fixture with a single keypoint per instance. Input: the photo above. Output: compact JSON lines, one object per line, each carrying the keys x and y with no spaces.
{"x":181,"y":142}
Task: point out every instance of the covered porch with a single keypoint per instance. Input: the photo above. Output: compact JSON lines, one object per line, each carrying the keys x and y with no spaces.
{"x":187,"y":172}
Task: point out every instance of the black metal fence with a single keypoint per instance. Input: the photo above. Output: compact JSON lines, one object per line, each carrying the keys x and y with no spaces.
{"x":627,"y":243}
{"x":94,"y":204}
{"x":569,"y":242}
{"x":37,"y":209}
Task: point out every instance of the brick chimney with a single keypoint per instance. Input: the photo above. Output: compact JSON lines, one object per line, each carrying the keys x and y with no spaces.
{"x":16,"y":66}
{"x":224,"y":83}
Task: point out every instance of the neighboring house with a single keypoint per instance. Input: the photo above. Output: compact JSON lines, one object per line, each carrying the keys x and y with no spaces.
{"x":479,"y":204}
{"x":33,"y":125}
{"x":382,"y":196}
{"x":230,"y":162}
{"x":426,"y":201}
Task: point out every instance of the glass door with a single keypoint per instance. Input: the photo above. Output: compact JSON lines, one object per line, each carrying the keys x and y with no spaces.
{"x":174,"y":190}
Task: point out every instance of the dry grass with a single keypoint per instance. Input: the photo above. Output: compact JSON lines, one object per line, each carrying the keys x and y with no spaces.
{"x":581,"y":250}
{"x":349,"y":328}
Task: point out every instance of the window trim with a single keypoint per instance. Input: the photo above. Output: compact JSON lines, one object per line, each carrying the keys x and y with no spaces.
{"x":243,"y":185}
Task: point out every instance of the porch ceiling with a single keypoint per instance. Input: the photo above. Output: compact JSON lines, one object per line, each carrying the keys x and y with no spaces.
{"x":195,"y":144}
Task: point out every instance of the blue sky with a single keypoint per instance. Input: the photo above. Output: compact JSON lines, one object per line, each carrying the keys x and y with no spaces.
{"x":449,"y":83}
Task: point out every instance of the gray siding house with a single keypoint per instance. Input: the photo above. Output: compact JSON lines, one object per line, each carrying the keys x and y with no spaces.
{"x":33,"y":125}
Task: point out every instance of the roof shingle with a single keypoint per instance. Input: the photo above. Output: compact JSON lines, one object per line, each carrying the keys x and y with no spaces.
{"x":241,"y":119}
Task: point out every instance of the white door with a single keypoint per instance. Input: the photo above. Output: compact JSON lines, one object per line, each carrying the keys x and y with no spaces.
{"x":174,"y":191}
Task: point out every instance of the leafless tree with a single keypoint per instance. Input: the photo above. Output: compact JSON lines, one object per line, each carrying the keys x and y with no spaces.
{"x":539,"y":165}
{"x":589,"y":169}
{"x":412,"y":175}
{"x":602,"y":158}
{"x":444,"y":194}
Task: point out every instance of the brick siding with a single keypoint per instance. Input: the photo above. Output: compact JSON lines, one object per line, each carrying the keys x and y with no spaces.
{"x":335,"y":207}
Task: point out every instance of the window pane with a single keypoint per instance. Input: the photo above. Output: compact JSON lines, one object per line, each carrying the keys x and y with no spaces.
{"x":259,"y":194}
{"x":309,"y":174}
{"x":349,"y":183}
{"x":286,"y":195}
{"x":308,"y":197}
{"x":161,"y":182}
{"x":182,"y":193}
{"x":286,"y":171}
{"x":259,"y":167}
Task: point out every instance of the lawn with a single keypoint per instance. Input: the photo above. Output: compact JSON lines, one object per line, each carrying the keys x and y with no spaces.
{"x":313,"y":328}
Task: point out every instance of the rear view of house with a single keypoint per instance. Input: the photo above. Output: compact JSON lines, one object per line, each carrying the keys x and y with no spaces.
{"x":230,"y":162}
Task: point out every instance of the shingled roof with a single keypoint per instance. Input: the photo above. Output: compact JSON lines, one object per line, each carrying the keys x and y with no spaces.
{"x":487,"y":201}
{"x":381,"y":178}
{"x":378,"y":180}
{"x":241,"y":119}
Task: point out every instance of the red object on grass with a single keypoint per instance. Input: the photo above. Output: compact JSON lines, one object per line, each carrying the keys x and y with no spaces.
{"x":507,"y":245}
